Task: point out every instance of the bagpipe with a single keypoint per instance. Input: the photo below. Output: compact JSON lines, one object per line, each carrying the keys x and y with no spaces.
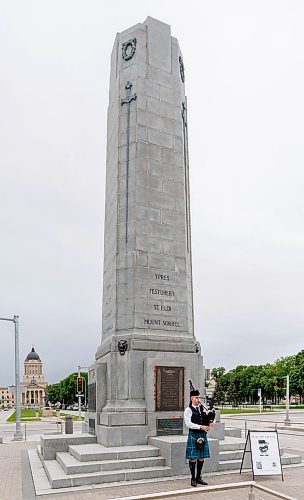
{"x":208,"y":414}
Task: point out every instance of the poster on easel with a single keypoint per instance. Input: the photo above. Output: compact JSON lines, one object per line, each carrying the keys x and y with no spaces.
{"x":262,"y":454}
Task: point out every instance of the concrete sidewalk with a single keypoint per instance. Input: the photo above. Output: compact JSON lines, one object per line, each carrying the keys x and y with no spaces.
{"x":16,"y":482}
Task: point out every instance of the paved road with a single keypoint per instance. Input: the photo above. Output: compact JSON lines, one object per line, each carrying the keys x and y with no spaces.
{"x":32,"y":430}
{"x":290,"y":437}
{"x":258,"y":420}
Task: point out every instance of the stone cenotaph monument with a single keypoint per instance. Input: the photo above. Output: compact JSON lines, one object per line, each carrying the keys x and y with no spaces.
{"x":138,"y":385}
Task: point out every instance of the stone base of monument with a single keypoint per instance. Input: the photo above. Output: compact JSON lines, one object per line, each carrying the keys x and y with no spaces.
{"x":78,"y":460}
{"x":172,"y":448}
{"x":219,"y":432}
{"x":124,"y":435}
{"x":86,"y":464}
{"x":141,"y":394}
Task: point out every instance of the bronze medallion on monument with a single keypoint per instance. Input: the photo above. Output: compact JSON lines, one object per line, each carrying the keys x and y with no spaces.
{"x":169,"y":388}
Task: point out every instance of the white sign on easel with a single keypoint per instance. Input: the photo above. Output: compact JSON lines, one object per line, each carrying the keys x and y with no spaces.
{"x":262,"y":454}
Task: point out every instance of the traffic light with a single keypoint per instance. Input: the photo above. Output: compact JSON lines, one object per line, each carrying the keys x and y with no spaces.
{"x":79,"y":385}
{"x":280,"y":383}
{"x":300,"y":390}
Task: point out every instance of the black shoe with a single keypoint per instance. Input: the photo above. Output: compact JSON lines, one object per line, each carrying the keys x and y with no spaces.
{"x":193,"y":482}
{"x":199,"y":480}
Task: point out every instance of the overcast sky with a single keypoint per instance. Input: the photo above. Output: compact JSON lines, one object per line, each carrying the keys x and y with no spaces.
{"x":244,"y":63}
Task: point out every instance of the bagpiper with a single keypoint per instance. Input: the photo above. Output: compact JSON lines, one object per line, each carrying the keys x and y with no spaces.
{"x":198,"y":419}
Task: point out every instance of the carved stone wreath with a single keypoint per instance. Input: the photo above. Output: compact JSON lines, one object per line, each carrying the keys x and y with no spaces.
{"x":128,"y":49}
{"x":181,"y":68}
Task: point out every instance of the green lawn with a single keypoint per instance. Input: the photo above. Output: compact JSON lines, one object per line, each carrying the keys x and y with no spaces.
{"x":292,"y":407}
{"x":75,"y":417}
{"x":29,"y":415}
{"x":234,"y":411}
{"x":26,"y":414}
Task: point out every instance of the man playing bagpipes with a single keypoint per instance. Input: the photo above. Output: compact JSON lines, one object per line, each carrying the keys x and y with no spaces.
{"x":198,"y":419}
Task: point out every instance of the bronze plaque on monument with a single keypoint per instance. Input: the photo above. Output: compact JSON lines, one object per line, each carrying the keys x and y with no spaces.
{"x":169,"y":388}
{"x":169,"y":426}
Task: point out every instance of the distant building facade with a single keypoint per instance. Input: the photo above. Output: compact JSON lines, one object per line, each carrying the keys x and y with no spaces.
{"x":7,"y":397}
{"x":33,"y":386}
{"x":210,"y":383}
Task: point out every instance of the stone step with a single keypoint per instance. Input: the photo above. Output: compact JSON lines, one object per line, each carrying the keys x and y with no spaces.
{"x":288,"y":459}
{"x":71,"y":465}
{"x":229,"y":464}
{"x":231,"y":455}
{"x":234,"y":432}
{"x":38,"y":447}
{"x":235,"y":464}
{"x":59,"y":479}
{"x":232,"y":443}
{"x":93,"y":452}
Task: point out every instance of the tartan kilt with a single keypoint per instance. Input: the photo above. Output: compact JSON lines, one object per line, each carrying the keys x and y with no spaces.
{"x":191,"y":452}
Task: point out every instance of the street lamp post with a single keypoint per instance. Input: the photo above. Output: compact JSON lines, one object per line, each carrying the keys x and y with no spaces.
{"x":287,"y":419}
{"x":260,"y":398}
{"x":18,"y":436}
{"x":79,"y":398}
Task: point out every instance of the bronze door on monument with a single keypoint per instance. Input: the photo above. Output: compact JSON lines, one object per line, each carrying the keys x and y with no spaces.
{"x":169,"y":388}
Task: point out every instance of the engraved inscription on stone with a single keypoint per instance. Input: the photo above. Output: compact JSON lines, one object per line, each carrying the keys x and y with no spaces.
{"x":164,"y":277}
{"x":92,"y":426}
{"x":160,"y":307}
{"x":169,"y":388}
{"x":165,"y":293}
{"x":169,"y":426}
{"x":92,"y":396}
{"x":161,"y":322}
{"x":167,"y":304}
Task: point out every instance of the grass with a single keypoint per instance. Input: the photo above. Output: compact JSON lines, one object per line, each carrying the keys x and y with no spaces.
{"x":292,"y":407}
{"x":26,"y":415}
{"x":75,"y":417}
{"x":29,"y":415}
{"x":235,"y":411}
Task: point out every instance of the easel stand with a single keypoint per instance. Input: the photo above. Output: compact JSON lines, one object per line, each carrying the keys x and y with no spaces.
{"x":262,"y":454}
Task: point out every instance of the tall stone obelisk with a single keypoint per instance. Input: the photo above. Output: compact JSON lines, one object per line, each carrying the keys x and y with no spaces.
{"x":148,"y":350}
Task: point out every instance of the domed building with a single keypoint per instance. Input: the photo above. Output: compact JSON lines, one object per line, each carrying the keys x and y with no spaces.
{"x":33,"y":385}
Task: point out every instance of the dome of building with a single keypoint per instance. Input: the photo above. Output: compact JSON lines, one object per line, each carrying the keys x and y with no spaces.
{"x":32,"y":356}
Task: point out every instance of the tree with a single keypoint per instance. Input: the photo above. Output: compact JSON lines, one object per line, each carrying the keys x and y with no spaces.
{"x":232,"y":394}
{"x":241,"y":383}
{"x":217,"y":373}
{"x":53,"y":393}
{"x":219,"y":393}
{"x":65,"y":391}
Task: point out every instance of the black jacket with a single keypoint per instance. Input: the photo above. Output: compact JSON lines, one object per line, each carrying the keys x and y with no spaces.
{"x":201,"y":416}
